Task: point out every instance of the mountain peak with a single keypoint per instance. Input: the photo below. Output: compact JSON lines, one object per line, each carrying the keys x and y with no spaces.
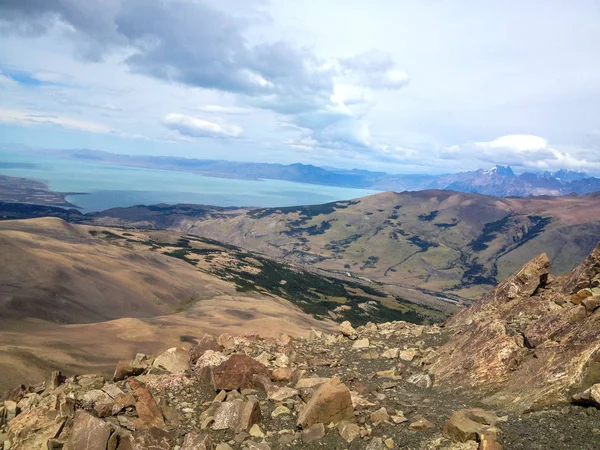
{"x":505,"y":171}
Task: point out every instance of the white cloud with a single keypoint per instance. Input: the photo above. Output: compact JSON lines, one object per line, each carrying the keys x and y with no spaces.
{"x":518,"y":142}
{"x":217,"y":109}
{"x":6,"y":81}
{"x":37,"y":118}
{"x":194,"y":127}
{"x":523,"y":151}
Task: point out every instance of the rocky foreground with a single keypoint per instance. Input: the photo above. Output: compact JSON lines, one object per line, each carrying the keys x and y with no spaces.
{"x":520,"y":369}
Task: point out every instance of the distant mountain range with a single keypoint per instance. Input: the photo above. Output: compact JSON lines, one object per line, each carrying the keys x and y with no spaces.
{"x":499,"y":181}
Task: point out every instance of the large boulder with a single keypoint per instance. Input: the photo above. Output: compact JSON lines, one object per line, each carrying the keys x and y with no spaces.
{"x":332,"y":402}
{"x":31,"y":429}
{"x":146,"y":407}
{"x":89,"y":433}
{"x":206,"y":342}
{"x":237,"y":415}
{"x":237,"y":373}
{"x":470,"y":425}
{"x":128,"y":368}
{"x":347,"y":330}
{"x":174,"y":360}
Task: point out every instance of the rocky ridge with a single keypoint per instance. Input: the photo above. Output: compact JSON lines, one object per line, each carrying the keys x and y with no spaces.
{"x":519,"y":370}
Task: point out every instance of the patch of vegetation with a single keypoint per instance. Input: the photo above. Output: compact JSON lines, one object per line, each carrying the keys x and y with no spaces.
{"x":311,"y":231}
{"x":370,"y":262}
{"x":183,"y":242}
{"x":314,"y":294}
{"x":186,"y":304}
{"x":429,"y":217}
{"x":489,"y":233}
{"x":422,"y":244}
{"x":446,"y":225}
{"x":539,"y":225}
{"x":307,"y":212}
{"x":342,"y":244}
{"x":476,"y":273}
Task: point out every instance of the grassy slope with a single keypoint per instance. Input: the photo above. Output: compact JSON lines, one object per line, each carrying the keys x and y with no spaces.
{"x":436,"y":240}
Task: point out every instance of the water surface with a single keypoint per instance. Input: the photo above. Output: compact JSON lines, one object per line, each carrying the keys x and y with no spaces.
{"x":109,"y":186}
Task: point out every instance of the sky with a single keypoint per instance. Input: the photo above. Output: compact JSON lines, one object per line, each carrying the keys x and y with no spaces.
{"x":423,"y":86}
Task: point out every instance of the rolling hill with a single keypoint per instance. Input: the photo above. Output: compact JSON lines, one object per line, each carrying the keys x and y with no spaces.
{"x":78,"y":297}
{"x":436,"y":240}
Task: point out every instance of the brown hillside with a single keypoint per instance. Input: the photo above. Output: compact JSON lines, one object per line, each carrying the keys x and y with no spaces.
{"x":76,"y":302}
{"x":437,"y":240}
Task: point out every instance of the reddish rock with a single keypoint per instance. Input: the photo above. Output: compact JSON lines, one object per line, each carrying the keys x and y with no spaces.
{"x":237,"y":373}
{"x":197,"y":441}
{"x":128,"y":368}
{"x":146,"y":407}
{"x":331,"y":403}
{"x":207,"y":342}
{"x":282,"y":374}
{"x":122,"y":401}
{"x":89,"y":433}
{"x":151,"y":439}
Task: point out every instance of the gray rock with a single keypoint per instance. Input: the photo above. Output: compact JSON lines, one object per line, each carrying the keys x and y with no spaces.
{"x":313,"y":433}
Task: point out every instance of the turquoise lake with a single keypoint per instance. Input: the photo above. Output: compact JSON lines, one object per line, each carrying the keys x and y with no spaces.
{"x":109,"y":186}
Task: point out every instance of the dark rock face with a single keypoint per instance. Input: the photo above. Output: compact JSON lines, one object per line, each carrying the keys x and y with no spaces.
{"x":530,"y":338}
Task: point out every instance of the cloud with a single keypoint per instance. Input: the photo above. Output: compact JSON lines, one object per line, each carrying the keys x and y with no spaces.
{"x":230,"y":110}
{"x":518,"y":142}
{"x":193,"y":43}
{"x":36,"y":118}
{"x":527,"y":152}
{"x":6,"y":81}
{"x":199,"y":128}
{"x":374,"y":69}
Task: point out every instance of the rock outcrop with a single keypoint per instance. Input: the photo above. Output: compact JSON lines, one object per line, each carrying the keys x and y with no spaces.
{"x":530,"y":340}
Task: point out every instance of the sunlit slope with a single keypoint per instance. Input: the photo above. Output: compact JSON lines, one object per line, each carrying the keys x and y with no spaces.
{"x":438,"y":240}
